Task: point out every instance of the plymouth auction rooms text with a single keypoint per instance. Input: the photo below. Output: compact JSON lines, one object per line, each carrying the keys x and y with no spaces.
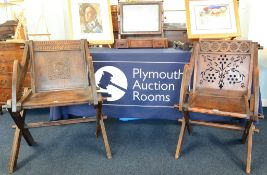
{"x":154,"y":86}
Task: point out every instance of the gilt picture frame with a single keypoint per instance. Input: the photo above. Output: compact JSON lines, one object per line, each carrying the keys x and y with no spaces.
{"x":91,"y":20}
{"x":212,"y":19}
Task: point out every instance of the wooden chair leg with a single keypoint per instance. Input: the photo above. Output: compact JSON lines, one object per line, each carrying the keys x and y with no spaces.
{"x":180,"y":139}
{"x":16,"y":142}
{"x":249,"y":148}
{"x":19,"y":121}
{"x":98,"y":117}
{"x":1,"y":110}
{"x":105,"y":139}
{"x":246,"y":131}
{"x":14,"y":151}
{"x":187,"y":122}
{"x":100,"y":127}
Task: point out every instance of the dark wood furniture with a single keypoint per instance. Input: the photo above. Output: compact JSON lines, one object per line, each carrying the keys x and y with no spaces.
{"x":8,"y":53}
{"x":142,"y":43}
{"x":62,"y":74}
{"x":7,"y":29}
{"x":224,"y":72}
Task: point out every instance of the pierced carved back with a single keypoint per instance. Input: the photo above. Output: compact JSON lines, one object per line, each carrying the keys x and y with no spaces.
{"x":223,"y":67}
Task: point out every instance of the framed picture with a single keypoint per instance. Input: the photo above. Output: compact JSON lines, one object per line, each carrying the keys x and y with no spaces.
{"x":140,"y":17}
{"x":91,"y":20}
{"x":212,"y":19}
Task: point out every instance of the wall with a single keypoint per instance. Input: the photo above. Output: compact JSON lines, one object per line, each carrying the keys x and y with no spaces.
{"x":254,"y":28}
{"x":47,"y":16}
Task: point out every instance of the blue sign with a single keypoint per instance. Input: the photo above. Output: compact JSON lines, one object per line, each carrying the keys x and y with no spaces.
{"x":138,"y":83}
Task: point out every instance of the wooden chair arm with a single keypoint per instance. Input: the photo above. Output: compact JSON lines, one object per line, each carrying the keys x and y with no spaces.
{"x":15,"y":86}
{"x":18,"y":77}
{"x":253,"y":105}
{"x":184,"y":85}
{"x":187,"y":74}
{"x":256,"y":91}
{"x":91,"y":72}
{"x":18,"y":94}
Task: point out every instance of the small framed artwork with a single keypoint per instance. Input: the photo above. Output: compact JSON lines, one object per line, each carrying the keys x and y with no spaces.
{"x":91,"y":20}
{"x":212,"y":19}
{"x":140,"y":17}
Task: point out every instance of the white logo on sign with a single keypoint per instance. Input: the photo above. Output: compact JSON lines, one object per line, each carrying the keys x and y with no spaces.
{"x":112,"y":82}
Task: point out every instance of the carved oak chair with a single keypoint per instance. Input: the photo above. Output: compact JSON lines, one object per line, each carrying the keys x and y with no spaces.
{"x":225,"y":83}
{"x":62,"y":74}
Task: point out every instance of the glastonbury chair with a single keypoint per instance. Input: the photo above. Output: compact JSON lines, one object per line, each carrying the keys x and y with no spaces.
{"x":62,"y":74}
{"x":225,"y":83}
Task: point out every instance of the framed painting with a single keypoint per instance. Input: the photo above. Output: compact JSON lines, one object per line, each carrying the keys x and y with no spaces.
{"x":140,"y":17}
{"x":91,"y":20}
{"x":212,"y":19}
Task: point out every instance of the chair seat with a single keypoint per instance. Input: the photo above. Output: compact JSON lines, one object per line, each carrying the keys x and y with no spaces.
{"x":236,"y":107}
{"x":58,"y":98}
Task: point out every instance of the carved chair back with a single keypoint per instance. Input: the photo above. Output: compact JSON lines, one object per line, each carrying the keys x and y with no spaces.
{"x":61,"y":65}
{"x":57,"y":67}
{"x":224,"y":68}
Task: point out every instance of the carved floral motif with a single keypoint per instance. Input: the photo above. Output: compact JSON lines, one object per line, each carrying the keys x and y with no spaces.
{"x":223,"y":70}
{"x":234,"y":46}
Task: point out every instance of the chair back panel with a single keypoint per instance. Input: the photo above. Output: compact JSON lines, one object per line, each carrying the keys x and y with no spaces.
{"x":224,"y":68}
{"x":58,"y":65}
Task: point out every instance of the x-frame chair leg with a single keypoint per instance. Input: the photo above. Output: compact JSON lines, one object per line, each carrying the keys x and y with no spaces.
{"x":100,"y":126}
{"x":180,"y":139}
{"x":246,"y":131}
{"x":249,"y":148}
{"x":15,"y":151}
{"x":105,"y":139}
{"x":19,"y":118}
{"x":187,"y":122}
{"x":98,"y":117}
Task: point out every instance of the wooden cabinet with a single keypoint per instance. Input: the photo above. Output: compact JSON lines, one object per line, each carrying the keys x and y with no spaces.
{"x":141,"y":43}
{"x":8,"y":53}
